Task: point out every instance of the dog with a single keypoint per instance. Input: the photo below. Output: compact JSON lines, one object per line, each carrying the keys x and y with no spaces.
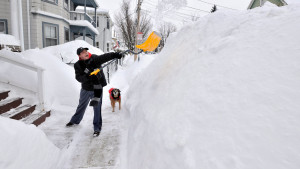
{"x":115,"y":96}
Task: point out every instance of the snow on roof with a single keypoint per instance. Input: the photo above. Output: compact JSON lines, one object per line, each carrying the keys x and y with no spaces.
{"x":83,"y":23}
{"x":71,"y":22}
{"x":9,"y":40}
{"x":92,"y":10}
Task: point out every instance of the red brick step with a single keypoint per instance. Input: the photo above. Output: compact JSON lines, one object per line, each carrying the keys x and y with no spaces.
{"x":8,"y":104}
{"x":20,"y":112}
{"x":37,"y":118}
{"x":3,"y":95}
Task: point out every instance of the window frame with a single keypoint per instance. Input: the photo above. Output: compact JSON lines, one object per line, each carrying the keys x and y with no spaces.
{"x":51,"y":2}
{"x":108,"y":23}
{"x":5,"y":25}
{"x":44,"y":24}
{"x":66,"y":8}
{"x":66,"y":29}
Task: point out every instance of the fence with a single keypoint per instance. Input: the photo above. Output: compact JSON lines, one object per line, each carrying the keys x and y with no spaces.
{"x":40,"y":76}
{"x":111,"y":67}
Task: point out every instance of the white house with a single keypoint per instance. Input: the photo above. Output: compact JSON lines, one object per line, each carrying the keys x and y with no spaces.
{"x":106,"y":39}
{"x":42,"y":23}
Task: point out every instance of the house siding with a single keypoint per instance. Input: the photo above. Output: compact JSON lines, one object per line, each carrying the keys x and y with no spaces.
{"x":5,"y":13}
{"x":37,"y":21}
{"x":107,"y":34}
{"x":38,"y":29}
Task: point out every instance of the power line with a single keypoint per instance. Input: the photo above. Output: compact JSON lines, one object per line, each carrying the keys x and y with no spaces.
{"x":216,"y":5}
{"x":183,"y":6}
{"x":187,"y":14}
{"x":197,"y":9}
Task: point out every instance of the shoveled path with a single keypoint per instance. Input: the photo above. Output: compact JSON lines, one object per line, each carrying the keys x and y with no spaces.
{"x":79,"y":147}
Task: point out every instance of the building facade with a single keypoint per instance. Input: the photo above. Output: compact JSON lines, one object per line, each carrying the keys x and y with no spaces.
{"x":104,"y":40}
{"x":42,"y":23}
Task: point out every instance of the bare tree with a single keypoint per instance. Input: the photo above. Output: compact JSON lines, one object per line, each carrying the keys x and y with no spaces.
{"x":126,"y":22}
{"x":165,"y":30}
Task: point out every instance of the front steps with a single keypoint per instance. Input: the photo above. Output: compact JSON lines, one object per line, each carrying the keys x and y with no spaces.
{"x":13,"y":108}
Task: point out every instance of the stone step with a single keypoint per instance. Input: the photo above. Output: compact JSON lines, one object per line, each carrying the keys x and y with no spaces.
{"x":7,"y":104}
{"x":3,"y":95}
{"x":20,"y":112}
{"x":36,"y":118}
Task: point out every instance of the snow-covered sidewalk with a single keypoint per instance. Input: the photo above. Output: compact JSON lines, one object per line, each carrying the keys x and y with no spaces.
{"x":79,"y":148}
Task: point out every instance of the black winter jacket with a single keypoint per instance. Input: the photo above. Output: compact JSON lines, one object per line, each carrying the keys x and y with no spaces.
{"x":94,"y":62}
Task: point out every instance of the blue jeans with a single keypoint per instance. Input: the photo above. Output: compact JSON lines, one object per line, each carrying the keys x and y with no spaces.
{"x":85,"y":97}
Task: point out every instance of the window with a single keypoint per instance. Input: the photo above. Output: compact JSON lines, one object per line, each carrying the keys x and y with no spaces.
{"x":50,"y":34}
{"x":66,"y":4}
{"x":2,"y":27}
{"x":97,"y":44}
{"x":98,"y":21}
{"x":67,"y":35}
{"x":51,"y":1}
{"x":107,"y":23}
{"x":107,"y":47}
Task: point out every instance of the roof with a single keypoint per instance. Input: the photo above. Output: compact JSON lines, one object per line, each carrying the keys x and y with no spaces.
{"x":89,"y":3}
{"x":263,"y":1}
{"x":92,"y":10}
{"x":84,"y":23}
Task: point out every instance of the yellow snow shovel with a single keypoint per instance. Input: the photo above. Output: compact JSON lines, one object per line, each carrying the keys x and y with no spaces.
{"x":151,"y":43}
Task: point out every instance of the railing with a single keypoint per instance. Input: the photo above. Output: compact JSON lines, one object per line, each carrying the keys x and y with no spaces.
{"x":40,"y":76}
{"x":81,"y":16}
{"x":111,"y":67}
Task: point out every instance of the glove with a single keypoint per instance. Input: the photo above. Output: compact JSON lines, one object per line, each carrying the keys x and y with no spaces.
{"x":118,"y":55}
{"x":87,"y":71}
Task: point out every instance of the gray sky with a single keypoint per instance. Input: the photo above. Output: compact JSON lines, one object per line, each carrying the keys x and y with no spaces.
{"x":176,"y":16}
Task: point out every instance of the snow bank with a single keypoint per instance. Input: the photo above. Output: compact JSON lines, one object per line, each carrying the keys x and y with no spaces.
{"x":9,"y":40}
{"x":60,"y":85}
{"x":69,"y":55}
{"x":224,"y":93}
{"x":25,"y":146}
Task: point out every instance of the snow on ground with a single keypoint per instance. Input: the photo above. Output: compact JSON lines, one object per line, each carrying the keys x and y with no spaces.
{"x":75,"y":147}
{"x":80,"y":149}
{"x":223,"y":93}
{"x":25,"y":146}
{"x":61,"y":97}
{"x":9,"y":40}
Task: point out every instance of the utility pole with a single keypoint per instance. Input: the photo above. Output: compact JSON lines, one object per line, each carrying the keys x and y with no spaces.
{"x":138,"y":27}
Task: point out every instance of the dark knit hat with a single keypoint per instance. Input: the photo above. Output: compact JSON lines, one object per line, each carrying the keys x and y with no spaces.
{"x":79,"y":50}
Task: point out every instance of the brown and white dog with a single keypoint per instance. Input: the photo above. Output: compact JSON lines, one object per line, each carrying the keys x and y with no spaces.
{"x":115,"y":96}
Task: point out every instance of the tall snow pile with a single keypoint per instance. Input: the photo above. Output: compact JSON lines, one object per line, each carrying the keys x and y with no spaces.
{"x":25,"y":146}
{"x":223,"y":94}
{"x":60,"y":85}
{"x":67,"y":51}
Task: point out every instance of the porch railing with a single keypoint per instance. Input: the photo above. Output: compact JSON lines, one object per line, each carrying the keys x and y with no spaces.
{"x":74,"y":15}
{"x":40,"y":77}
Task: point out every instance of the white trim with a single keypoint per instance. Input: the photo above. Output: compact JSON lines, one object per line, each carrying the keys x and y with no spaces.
{"x":30,"y":66}
{"x":28,"y":26}
{"x":21,"y":30}
{"x":71,"y":22}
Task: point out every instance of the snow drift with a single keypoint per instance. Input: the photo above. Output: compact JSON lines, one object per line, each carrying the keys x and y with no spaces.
{"x":223,"y":93}
{"x":25,"y":146}
{"x":60,"y":85}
